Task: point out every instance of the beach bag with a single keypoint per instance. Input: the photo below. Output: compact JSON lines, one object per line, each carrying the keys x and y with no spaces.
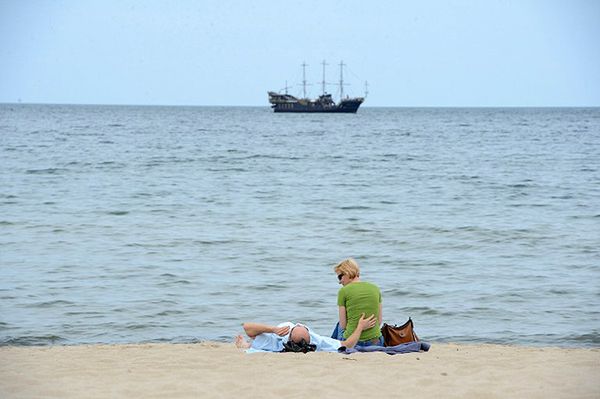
{"x":396,"y":335}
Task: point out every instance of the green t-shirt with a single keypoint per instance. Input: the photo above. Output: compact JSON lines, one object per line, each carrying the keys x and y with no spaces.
{"x":360,"y":297}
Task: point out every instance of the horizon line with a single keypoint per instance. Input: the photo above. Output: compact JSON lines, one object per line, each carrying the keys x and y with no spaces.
{"x":268,"y":106}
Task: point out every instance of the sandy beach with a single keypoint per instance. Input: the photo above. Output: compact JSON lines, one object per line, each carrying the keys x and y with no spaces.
{"x":221,"y":370}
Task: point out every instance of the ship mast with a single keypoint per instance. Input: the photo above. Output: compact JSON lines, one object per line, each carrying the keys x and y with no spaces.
{"x":341,"y":80}
{"x":366,"y":89}
{"x":323,"y":82}
{"x":304,"y":79}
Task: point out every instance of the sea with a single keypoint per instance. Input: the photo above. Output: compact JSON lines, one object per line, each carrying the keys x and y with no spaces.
{"x":134,"y":224}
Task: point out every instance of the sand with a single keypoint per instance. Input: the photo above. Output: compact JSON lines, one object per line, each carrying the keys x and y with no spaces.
{"x":218,"y":370}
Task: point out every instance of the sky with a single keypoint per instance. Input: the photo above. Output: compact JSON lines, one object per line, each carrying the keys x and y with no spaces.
{"x":204,"y":52}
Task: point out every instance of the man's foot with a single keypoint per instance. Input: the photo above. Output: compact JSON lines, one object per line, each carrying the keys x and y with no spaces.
{"x":241,"y":343}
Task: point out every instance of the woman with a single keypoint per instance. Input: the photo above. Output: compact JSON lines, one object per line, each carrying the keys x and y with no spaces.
{"x":355,"y":298}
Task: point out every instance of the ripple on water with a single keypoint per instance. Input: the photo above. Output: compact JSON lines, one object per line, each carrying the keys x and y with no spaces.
{"x":592,"y":337}
{"x":117,"y":213}
{"x":421,"y":310}
{"x":168,"y":313}
{"x":267,"y":287}
{"x":33,"y":340}
{"x":313,"y":303}
{"x":174,"y":283}
{"x":50,"y":304}
{"x":399,"y":293}
{"x":46,"y":171}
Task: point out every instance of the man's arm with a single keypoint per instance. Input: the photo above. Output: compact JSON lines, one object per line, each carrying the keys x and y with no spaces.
{"x":363,"y":324}
{"x":342,"y":317}
{"x":254,"y":329}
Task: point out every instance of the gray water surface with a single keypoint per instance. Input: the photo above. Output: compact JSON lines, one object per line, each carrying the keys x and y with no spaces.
{"x":176,"y":224}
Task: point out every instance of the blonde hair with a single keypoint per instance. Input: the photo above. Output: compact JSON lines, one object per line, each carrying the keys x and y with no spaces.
{"x":348,"y":267}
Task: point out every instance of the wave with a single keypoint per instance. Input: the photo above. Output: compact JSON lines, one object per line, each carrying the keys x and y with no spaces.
{"x":164,"y":302}
{"x":396,"y":292}
{"x":588,"y":338}
{"x":137,"y":326}
{"x":84,"y":313}
{"x":214,"y":242}
{"x":268,"y":287}
{"x":269,"y":156}
{"x":49,"y":304}
{"x":312,"y":303}
{"x":176,"y":282}
{"x":421,"y":310}
{"x":227,"y":170}
{"x":32,"y":340}
{"x":47,"y":171}
{"x":117,"y":213}
{"x":168,"y":313}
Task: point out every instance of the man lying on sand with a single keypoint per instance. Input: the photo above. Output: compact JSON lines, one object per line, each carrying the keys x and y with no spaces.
{"x":297,"y":337}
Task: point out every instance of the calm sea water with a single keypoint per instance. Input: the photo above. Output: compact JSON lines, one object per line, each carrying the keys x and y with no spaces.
{"x":135,"y":224}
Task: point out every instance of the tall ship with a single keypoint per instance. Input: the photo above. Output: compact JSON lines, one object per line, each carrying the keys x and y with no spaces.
{"x":324,"y":103}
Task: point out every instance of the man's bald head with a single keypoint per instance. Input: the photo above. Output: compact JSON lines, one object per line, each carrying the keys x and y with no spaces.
{"x":299,"y":333}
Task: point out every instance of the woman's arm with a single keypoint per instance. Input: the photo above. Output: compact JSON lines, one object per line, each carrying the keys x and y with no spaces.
{"x":343,"y":318}
{"x":380,"y":318}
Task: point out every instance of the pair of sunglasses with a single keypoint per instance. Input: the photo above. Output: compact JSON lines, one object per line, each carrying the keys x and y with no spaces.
{"x":340,"y":276}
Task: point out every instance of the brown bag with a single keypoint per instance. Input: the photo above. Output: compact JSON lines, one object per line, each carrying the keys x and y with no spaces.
{"x":394,"y":335}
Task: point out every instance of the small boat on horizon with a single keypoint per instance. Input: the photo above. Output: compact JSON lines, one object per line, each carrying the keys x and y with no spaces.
{"x":324,"y":103}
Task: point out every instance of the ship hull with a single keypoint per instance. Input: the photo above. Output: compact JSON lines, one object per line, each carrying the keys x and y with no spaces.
{"x":346,"y":107}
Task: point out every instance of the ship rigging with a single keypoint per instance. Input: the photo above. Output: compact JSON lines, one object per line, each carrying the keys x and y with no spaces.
{"x":324,"y":103}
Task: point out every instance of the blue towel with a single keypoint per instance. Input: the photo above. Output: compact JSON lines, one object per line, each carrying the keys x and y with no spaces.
{"x":390,"y":350}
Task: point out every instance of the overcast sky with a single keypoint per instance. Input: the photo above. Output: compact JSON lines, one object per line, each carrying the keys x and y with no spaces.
{"x":412,"y":53}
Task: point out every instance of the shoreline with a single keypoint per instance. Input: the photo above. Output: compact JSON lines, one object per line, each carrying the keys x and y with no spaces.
{"x":215,"y":369}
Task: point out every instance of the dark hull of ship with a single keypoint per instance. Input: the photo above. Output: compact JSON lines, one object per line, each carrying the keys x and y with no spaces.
{"x":346,"y":107}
